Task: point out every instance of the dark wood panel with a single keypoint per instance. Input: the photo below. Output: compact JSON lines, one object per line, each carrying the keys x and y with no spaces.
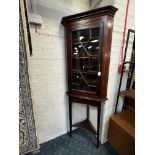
{"x":86,"y":124}
{"x":121,"y":133}
{"x":87,"y":100}
{"x":128,"y":94}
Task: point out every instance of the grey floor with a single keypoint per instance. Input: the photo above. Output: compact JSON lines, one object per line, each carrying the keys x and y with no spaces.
{"x":81,"y":143}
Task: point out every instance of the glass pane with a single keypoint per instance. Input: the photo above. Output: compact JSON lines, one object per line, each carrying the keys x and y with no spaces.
{"x":84,"y":35}
{"x":75,"y":35}
{"x":75,"y":56}
{"x":84,"y":86}
{"x":75,"y":77}
{"x":95,"y":33}
{"x":93,"y":66}
{"x":75,"y":63}
{"x":93,"y":47}
{"x":91,"y":78}
{"x":82,"y":50}
{"x":85,"y":54}
{"x":84,"y":64}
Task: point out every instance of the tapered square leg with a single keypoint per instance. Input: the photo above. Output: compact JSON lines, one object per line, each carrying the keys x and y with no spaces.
{"x":88,"y":112}
{"x":70,"y":116}
{"x":98,"y":123}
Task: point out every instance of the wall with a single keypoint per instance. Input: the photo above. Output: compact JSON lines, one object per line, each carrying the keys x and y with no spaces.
{"x":100,"y":3}
{"x":113,"y":81}
{"x":47,"y":68}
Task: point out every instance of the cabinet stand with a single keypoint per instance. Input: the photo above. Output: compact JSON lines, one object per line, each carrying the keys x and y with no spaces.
{"x":86,"y":124}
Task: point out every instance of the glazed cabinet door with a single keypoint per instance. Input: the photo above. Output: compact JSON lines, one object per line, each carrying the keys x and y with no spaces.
{"x":85,"y":54}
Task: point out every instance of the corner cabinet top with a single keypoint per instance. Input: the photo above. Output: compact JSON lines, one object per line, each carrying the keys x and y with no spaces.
{"x":107,"y":10}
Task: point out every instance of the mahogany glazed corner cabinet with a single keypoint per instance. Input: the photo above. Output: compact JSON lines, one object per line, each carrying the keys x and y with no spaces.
{"x":88,"y":45}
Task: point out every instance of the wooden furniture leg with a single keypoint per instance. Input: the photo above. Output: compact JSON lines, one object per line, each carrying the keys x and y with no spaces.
{"x":70,"y":116}
{"x":88,"y":112}
{"x":98,"y":123}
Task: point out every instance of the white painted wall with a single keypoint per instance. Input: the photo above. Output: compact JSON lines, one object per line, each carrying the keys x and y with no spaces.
{"x":48,"y":73}
{"x":100,"y":3}
{"x":47,"y":69}
{"x":113,"y":82}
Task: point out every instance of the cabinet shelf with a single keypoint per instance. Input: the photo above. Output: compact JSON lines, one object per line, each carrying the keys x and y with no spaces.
{"x":90,"y":56}
{"x":85,"y":72}
{"x":128,"y":93}
{"x":89,"y":85}
{"x":76,"y":41}
{"x":86,"y":124}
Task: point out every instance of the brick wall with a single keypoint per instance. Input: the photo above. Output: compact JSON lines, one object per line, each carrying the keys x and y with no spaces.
{"x":47,"y":69}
